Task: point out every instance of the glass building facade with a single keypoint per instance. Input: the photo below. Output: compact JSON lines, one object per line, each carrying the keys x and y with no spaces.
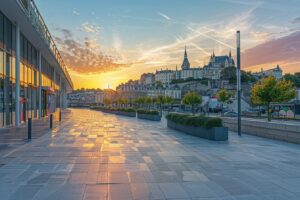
{"x":42,"y":84}
{"x":7,"y":71}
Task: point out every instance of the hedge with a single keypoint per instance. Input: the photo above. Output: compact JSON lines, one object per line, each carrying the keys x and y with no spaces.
{"x":148,"y":112}
{"x":197,"y":121}
{"x":101,"y":108}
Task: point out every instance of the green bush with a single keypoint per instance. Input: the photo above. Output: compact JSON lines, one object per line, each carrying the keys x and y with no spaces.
{"x":148,"y":112}
{"x":198,"y":121}
{"x":101,"y":108}
{"x":126,"y":109}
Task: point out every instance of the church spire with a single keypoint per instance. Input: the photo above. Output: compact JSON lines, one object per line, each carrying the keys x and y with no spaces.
{"x":213,"y":53}
{"x":186,"y":64}
{"x":230,"y":53}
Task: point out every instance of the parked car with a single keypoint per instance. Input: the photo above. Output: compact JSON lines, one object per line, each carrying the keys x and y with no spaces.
{"x":230,"y":114}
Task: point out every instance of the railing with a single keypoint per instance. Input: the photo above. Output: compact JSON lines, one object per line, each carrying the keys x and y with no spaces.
{"x":37,"y":21}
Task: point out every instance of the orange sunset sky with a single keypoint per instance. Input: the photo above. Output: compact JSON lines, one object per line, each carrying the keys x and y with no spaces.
{"x":105,"y":43}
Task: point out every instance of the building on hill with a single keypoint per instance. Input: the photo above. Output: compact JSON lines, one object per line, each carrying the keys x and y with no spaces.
{"x":216,"y":64}
{"x":165,"y":76}
{"x":170,"y":90}
{"x":185,"y":64}
{"x":276,"y":72}
{"x":147,"y":79}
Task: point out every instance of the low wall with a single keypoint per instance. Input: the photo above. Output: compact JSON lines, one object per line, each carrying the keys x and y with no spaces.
{"x":214,"y":133}
{"x":149,"y":117}
{"x":262,"y":128}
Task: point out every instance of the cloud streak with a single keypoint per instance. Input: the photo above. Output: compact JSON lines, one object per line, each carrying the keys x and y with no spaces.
{"x":86,"y":57}
{"x":164,"y":16}
{"x":90,"y":28}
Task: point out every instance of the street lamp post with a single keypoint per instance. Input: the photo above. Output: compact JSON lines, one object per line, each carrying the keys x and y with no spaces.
{"x":238,"y":43}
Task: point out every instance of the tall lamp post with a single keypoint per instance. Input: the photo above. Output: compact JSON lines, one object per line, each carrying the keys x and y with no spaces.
{"x":238,"y":44}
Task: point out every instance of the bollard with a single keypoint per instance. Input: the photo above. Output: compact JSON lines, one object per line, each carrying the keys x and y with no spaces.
{"x":51,"y":121}
{"x":29,"y":124}
{"x":60,"y":115}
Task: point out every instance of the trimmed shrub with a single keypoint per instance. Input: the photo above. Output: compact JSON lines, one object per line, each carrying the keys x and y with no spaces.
{"x":101,"y":108}
{"x":148,"y":112}
{"x":197,"y":121}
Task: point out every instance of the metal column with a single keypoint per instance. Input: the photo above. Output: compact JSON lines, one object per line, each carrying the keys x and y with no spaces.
{"x":40,"y":83}
{"x":17,"y":100}
{"x":238,"y":41}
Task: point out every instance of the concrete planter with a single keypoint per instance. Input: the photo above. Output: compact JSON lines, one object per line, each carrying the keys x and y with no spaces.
{"x":149,"y":117}
{"x":128,"y":114}
{"x":215,"y":133}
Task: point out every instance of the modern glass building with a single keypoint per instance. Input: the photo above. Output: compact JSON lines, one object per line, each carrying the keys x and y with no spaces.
{"x":34,"y":80}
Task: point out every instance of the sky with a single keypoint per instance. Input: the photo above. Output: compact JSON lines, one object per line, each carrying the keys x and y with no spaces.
{"x":105,"y":43}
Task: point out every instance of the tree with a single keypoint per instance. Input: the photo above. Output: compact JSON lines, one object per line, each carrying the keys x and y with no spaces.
{"x":270,"y":90}
{"x":169,"y":100}
{"x":229,"y":73}
{"x":148,"y":101}
{"x":160,"y":100}
{"x":223,"y":96}
{"x":294,"y":78}
{"x":140,"y":101}
{"x":193,"y":99}
{"x":107,"y":101}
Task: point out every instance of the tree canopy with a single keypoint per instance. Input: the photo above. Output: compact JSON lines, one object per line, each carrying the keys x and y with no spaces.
{"x":223,"y":96}
{"x":294,"y":78}
{"x":271,"y":90}
{"x":193,"y":99}
{"x":229,"y":73}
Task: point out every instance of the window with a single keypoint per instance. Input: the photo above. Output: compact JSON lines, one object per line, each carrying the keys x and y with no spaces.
{"x":1,"y":31}
{"x":1,"y":63}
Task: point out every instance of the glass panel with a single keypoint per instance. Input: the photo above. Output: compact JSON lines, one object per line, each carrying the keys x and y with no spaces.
{"x":1,"y":30}
{"x":1,"y":63}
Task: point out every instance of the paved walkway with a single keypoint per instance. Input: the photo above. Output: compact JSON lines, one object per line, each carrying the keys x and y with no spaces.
{"x":11,"y":138}
{"x":102,"y":156}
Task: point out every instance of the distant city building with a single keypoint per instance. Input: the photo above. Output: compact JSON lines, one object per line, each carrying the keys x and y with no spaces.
{"x":276,"y":72}
{"x":195,"y":73}
{"x":216,"y":65}
{"x":147,"y":79}
{"x":185,"y":64}
{"x":164,"y":76}
{"x":186,"y":72}
{"x":171,"y":91}
{"x":81,"y":98}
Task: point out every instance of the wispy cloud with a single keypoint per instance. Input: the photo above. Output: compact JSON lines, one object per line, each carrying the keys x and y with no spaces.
{"x":86,"y":57}
{"x":210,"y":37}
{"x":117,"y":42}
{"x":164,"y":16}
{"x":296,"y":20}
{"x":285,"y":49}
{"x":90,"y":28}
{"x":244,"y":2}
{"x":75,"y":12}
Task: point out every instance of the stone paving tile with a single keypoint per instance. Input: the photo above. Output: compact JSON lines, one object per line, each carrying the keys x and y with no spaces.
{"x":102,"y":156}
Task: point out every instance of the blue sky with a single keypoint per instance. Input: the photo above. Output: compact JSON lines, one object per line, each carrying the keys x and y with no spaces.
{"x":128,"y":37}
